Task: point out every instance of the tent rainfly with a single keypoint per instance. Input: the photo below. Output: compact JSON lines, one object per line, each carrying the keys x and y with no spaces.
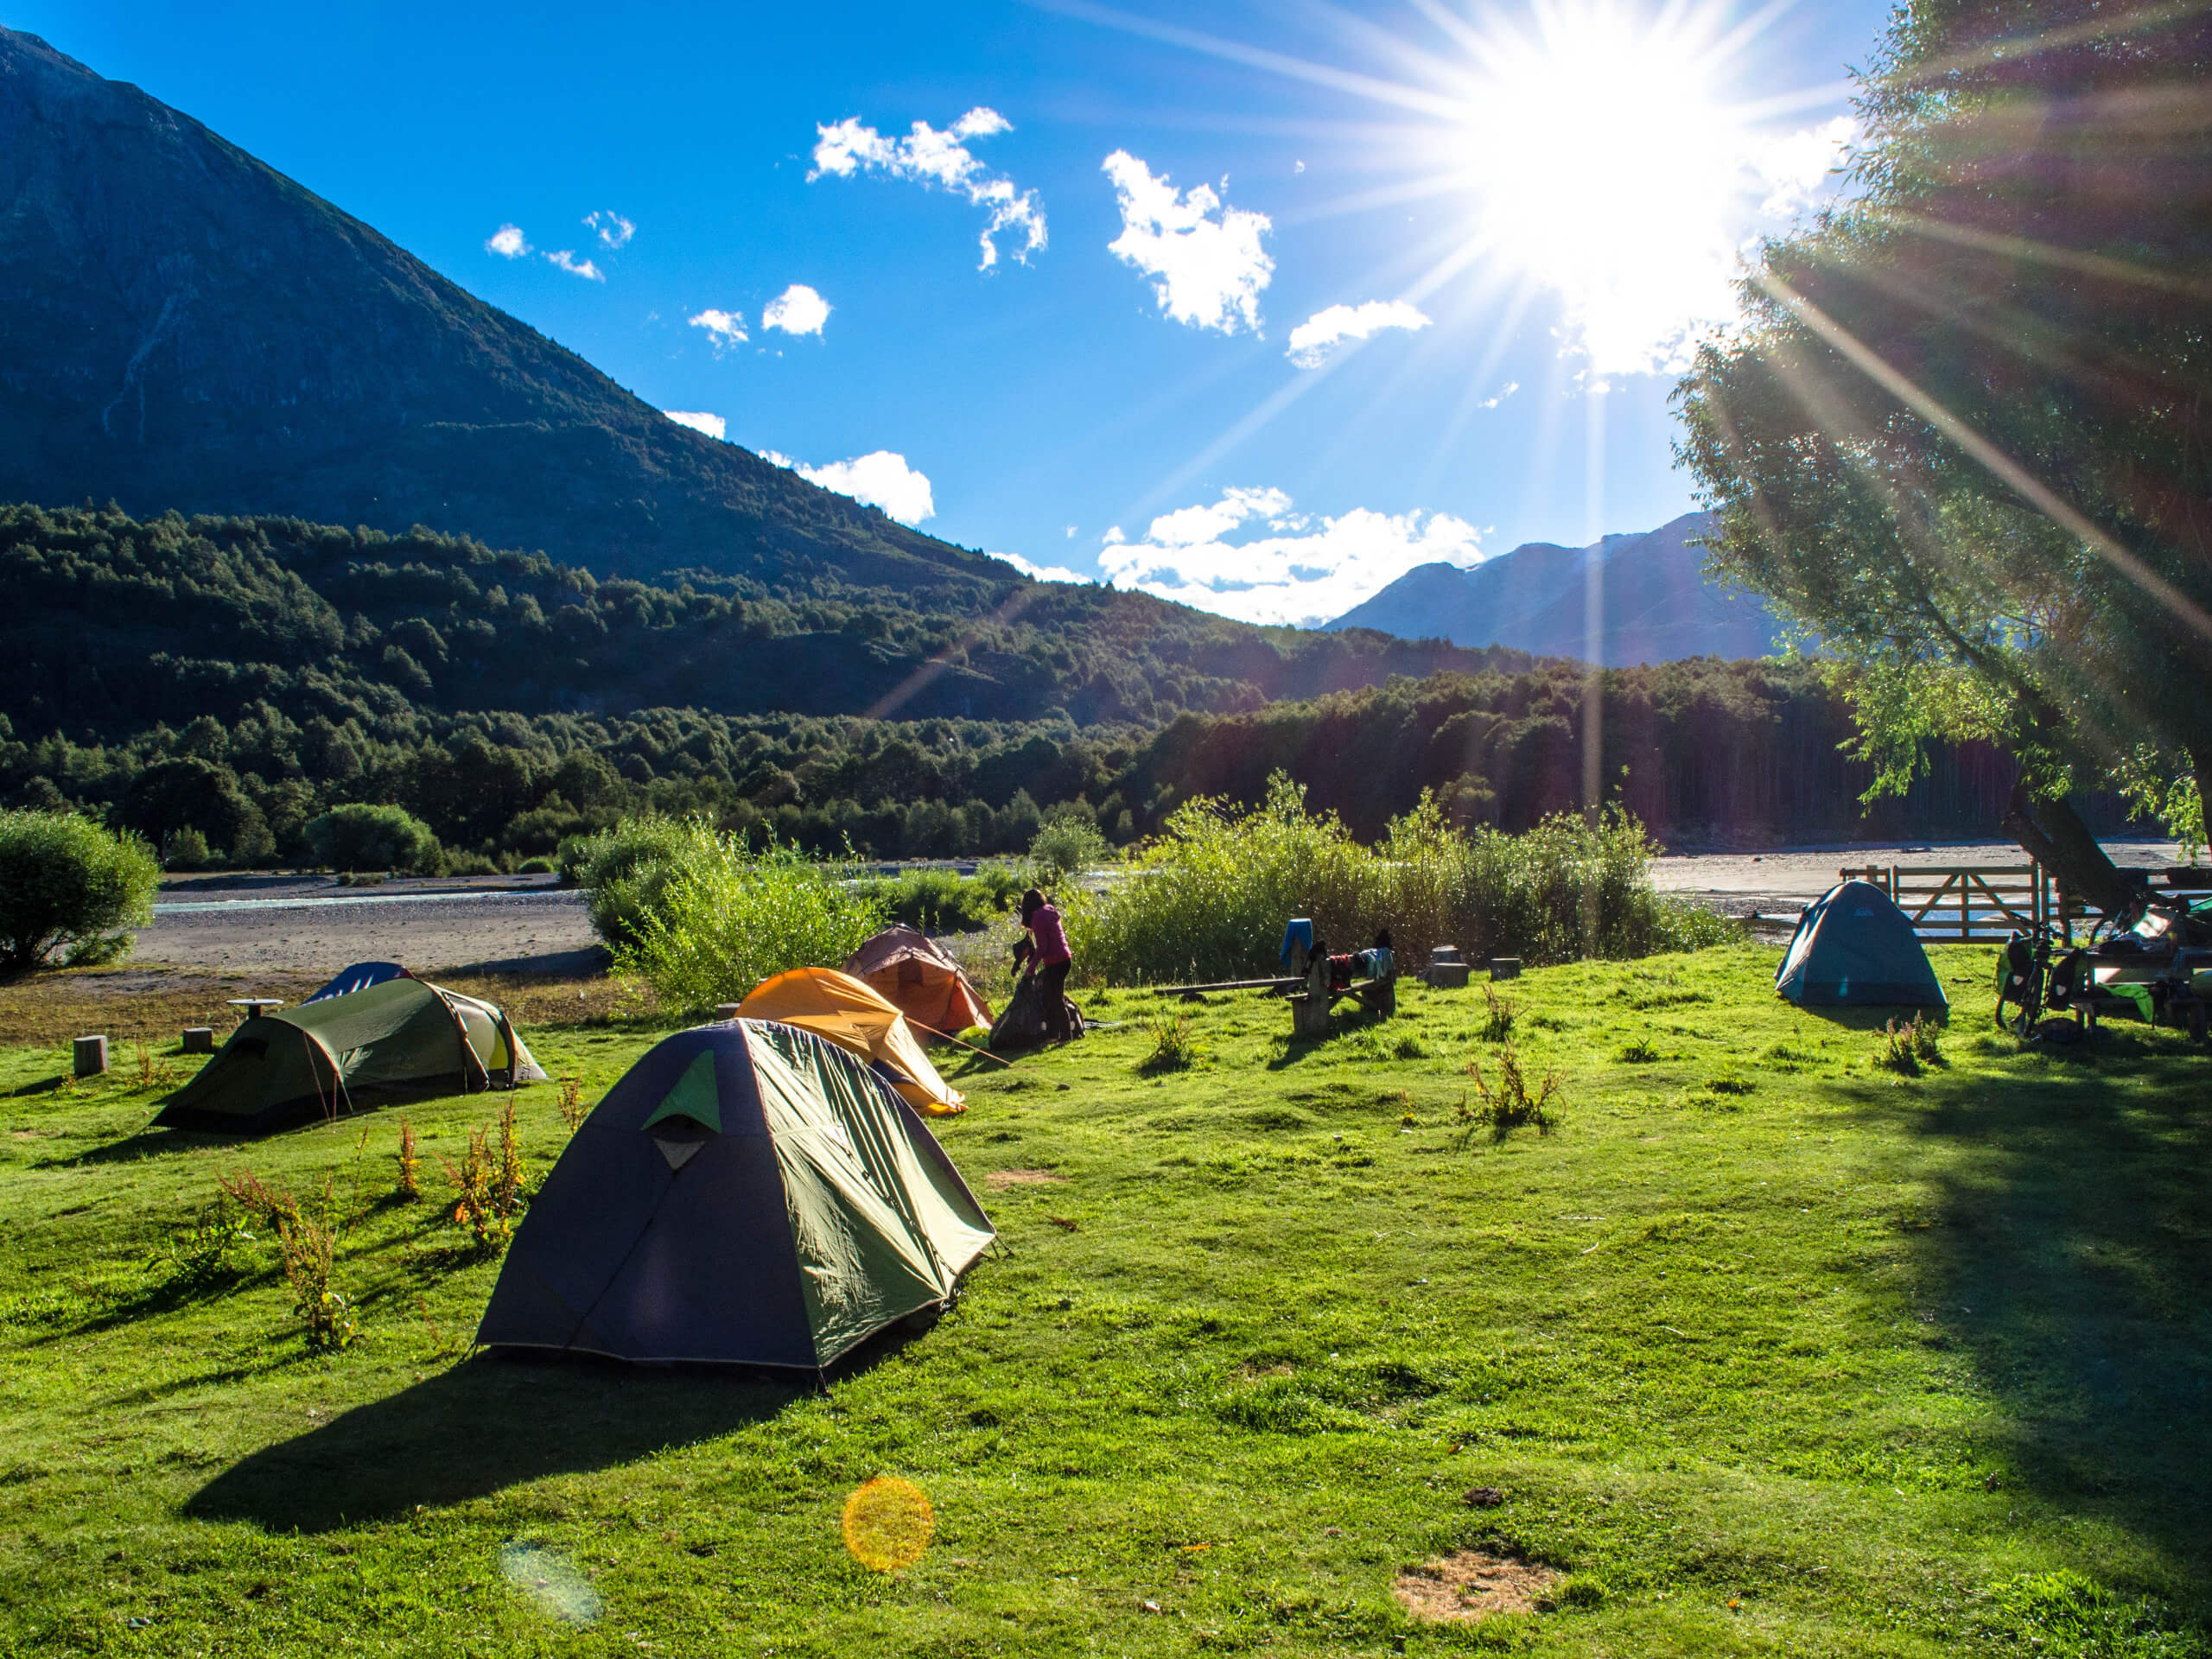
{"x":747,"y":1194}
{"x":1853,"y":948}
{"x":359,"y":978}
{"x":854,"y":1017}
{"x":910,"y":970}
{"x":293,"y":1064}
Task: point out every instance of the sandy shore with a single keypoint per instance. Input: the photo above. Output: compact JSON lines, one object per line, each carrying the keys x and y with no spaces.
{"x":1780,"y":882}
{"x":310,"y":924}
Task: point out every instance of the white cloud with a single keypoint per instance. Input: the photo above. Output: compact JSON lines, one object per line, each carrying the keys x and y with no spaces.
{"x":798,"y":310}
{"x":1113,"y":538}
{"x":1797,"y":167}
{"x":1070,"y":532}
{"x":1310,"y":342}
{"x":1041,"y":572}
{"x":881,"y":479}
{"x":942,"y":159}
{"x":1297,"y":569}
{"x":1206,"y":259}
{"x":507,"y":242}
{"x":699,"y":421}
{"x":725,"y":328}
{"x":1504,"y":392}
{"x":615,"y":230}
{"x":567,"y":260}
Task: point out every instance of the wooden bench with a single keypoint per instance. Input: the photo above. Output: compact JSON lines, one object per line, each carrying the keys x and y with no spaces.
{"x":1311,"y":1012}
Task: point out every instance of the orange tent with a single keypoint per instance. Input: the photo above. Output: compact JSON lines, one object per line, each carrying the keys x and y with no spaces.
{"x":852,"y":1015}
{"x":910,"y":970}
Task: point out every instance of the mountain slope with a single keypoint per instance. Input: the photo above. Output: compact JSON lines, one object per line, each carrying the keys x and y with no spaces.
{"x":1656,"y":604}
{"x":180,"y":325}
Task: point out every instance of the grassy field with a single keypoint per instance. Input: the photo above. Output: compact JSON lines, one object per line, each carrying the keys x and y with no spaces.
{"x":1763,"y":1348}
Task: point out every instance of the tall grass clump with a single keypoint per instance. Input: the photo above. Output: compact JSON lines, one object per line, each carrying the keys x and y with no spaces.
{"x":724,"y":917}
{"x":1208,"y":898}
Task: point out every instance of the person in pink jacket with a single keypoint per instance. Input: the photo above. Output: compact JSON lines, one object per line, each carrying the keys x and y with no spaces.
{"x":1049,"y":953}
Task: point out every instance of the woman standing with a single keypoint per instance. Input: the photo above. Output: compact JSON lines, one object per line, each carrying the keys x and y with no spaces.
{"x":1049,"y":952}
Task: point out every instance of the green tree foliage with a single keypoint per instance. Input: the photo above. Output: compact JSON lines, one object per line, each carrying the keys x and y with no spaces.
{"x":728,"y":916}
{"x":362,"y":837}
{"x":1963,"y":435}
{"x":70,"y":889}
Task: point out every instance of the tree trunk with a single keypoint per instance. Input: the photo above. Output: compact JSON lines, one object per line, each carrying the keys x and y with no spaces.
{"x":2054,"y":835}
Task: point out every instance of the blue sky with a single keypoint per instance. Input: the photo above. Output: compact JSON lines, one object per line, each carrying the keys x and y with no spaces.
{"x":1279,"y":300}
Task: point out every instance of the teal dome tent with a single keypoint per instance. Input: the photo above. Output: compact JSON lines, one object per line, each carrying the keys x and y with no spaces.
{"x":1853,"y":948}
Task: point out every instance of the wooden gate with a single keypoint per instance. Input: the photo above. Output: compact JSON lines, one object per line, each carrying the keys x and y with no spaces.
{"x":1973,"y":902}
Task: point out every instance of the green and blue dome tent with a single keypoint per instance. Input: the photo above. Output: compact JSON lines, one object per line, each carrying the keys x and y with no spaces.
{"x":747,"y":1194}
{"x":332,"y":1055}
{"x":1853,"y":948}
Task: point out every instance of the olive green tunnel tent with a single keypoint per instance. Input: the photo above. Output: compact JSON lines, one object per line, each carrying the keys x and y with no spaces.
{"x":747,"y":1194}
{"x":293,"y":1065}
{"x":1854,"y":948}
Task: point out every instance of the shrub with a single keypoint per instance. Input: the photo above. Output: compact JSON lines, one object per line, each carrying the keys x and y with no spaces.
{"x":1910,"y":1044}
{"x":186,"y":849}
{"x":1209,"y":899}
{"x":1638,"y":1052}
{"x":1173,"y":1048}
{"x":573,"y":1112}
{"x":410,"y":1163}
{"x":535,"y":867}
{"x":70,"y":888}
{"x":938,"y":901}
{"x":1504,"y":1102}
{"x":358,"y":836}
{"x":1067,"y":844}
{"x":197,"y":1257}
{"x":626,"y":870}
{"x":310,"y":1249}
{"x":1497,"y":1018}
{"x":725,"y":917}
{"x":487,"y":1185}
{"x":271,"y":1206}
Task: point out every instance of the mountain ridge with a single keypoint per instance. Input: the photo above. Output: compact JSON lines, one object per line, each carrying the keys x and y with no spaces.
{"x":170,"y":312}
{"x":1656,"y":603}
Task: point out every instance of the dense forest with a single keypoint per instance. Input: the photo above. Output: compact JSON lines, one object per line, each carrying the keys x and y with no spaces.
{"x":236,"y":677}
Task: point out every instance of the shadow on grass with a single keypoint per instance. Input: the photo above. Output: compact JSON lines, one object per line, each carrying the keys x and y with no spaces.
{"x":478,"y":1428}
{"x":2067,"y":1252}
{"x":490,"y":1423}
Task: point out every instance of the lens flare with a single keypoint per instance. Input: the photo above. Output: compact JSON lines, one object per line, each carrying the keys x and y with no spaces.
{"x":551,"y":1583}
{"x":887,"y":1523}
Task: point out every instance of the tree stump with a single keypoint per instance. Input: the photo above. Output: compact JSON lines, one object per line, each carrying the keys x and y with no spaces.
{"x":92,"y":1056}
{"x":199,"y":1040}
{"x":1505,"y":967}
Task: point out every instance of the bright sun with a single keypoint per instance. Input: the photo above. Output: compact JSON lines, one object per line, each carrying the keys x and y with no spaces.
{"x":1608,"y":166}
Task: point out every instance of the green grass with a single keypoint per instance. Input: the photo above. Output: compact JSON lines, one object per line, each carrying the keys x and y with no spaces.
{"x":1823,"y":1361}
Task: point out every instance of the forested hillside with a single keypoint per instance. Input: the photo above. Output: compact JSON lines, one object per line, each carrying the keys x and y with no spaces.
{"x":235,"y":677}
{"x":1701,"y":751}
